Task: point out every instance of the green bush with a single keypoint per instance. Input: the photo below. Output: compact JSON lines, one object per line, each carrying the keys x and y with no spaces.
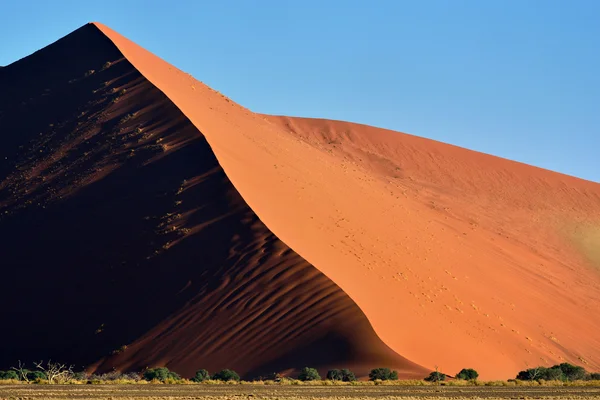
{"x":160,"y":374}
{"x":572,"y":372}
{"x":348,"y":376}
{"x":467,"y":374}
{"x":33,"y":375}
{"x":564,"y":371}
{"x":201,"y":376}
{"x":335,"y":375}
{"x":226,"y":375}
{"x":9,"y":375}
{"x":554,"y":374}
{"x":436,"y":376}
{"x":384,"y":374}
{"x":309,"y":374}
{"x":595,"y":376}
{"x":344,"y":375}
{"x":532,"y":374}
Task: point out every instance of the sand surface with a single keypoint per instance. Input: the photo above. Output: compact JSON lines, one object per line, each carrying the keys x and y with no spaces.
{"x":293,"y":392}
{"x":126,"y":245}
{"x":456,"y":257}
{"x":450,"y":257}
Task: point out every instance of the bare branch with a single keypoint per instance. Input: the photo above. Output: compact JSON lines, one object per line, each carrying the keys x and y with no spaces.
{"x":55,"y":372}
{"x":21,"y":371}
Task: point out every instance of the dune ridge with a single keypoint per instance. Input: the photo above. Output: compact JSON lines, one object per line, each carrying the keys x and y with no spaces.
{"x":479,"y":261}
{"x":314,"y":241}
{"x":126,"y":246}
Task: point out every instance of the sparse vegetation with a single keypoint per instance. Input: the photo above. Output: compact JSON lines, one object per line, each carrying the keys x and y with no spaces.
{"x":343,"y":375}
{"x":572,"y":372}
{"x":383,"y":374}
{"x":560,"y":372}
{"x":6,"y":375}
{"x":36,"y":376}
{"x":467,"y":374}
{"x":161,"y":374}
{"x":561,"y":375}
{"x":201,"y":376}
{"x":289,"y":392}
{"x":309,"y":374}
{"x":334,"y":375}
{"x":55,"y":372}
{"x":226,"y":375}
{"x":348,"y":376}
{"x":436,"y":377}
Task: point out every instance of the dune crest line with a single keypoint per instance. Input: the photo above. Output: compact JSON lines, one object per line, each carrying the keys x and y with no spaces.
{"x":453,"y":242}
{"x":119,"y":222}
{"x":181,"y":229}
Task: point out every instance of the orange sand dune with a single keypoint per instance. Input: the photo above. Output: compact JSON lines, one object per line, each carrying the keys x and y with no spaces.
{"x":149,"y":220}
{"x":125,"y":245}
{"x":457,"y":258}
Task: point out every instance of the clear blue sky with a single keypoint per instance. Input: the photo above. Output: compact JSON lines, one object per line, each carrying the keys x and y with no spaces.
{"x":515,"y":78}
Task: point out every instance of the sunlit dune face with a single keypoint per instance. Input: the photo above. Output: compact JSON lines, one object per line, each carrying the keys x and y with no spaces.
{"x":587,"y":238}
{"x":263,"y":243}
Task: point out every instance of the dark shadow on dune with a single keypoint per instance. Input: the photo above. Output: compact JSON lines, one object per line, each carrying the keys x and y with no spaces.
{"x":124,"y":244}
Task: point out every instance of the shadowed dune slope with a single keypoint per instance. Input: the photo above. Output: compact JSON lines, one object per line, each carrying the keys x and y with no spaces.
{"x":125,"y":245}
{"x":457,"y":258}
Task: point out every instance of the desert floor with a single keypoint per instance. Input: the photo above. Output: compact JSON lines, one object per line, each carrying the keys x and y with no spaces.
{"x":292,"y":392}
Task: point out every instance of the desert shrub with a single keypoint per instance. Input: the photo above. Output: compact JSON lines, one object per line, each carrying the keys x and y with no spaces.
{"x":384,"y":374}
{"x":94,"y":377}
{"x":335,"y":375}
{"x":571,"y":372}
{"x":436,"y":376}
{"x":132,"y":376}
{"x":5,"y":375}
{"x":348,"y":376}
{"x":309,"y":374}
{"x":110,"y":376}
{"x":344,"y":375}
{"x":226,"y":375}
{"x":81,"y":376}
{"x":161,"y":374}
{"x":201,"y":376}
{"x":564,"y":371}
{"x":553,"y":374}
{"x":532,"y":374}
{"x":467,"y":374}
{"x":23,"y":374}
{"x":35,"y":375}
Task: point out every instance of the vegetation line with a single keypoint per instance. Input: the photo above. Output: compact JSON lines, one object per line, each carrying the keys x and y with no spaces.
{"x":55,"y":373}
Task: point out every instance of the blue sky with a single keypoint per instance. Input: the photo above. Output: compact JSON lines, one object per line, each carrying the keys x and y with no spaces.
{"x":516,"y":78}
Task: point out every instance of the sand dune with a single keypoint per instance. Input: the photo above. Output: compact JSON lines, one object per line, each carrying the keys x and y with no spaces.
{"x":181,"y":227}
{"x":473,"y":256}
{"x":126,"y":246}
